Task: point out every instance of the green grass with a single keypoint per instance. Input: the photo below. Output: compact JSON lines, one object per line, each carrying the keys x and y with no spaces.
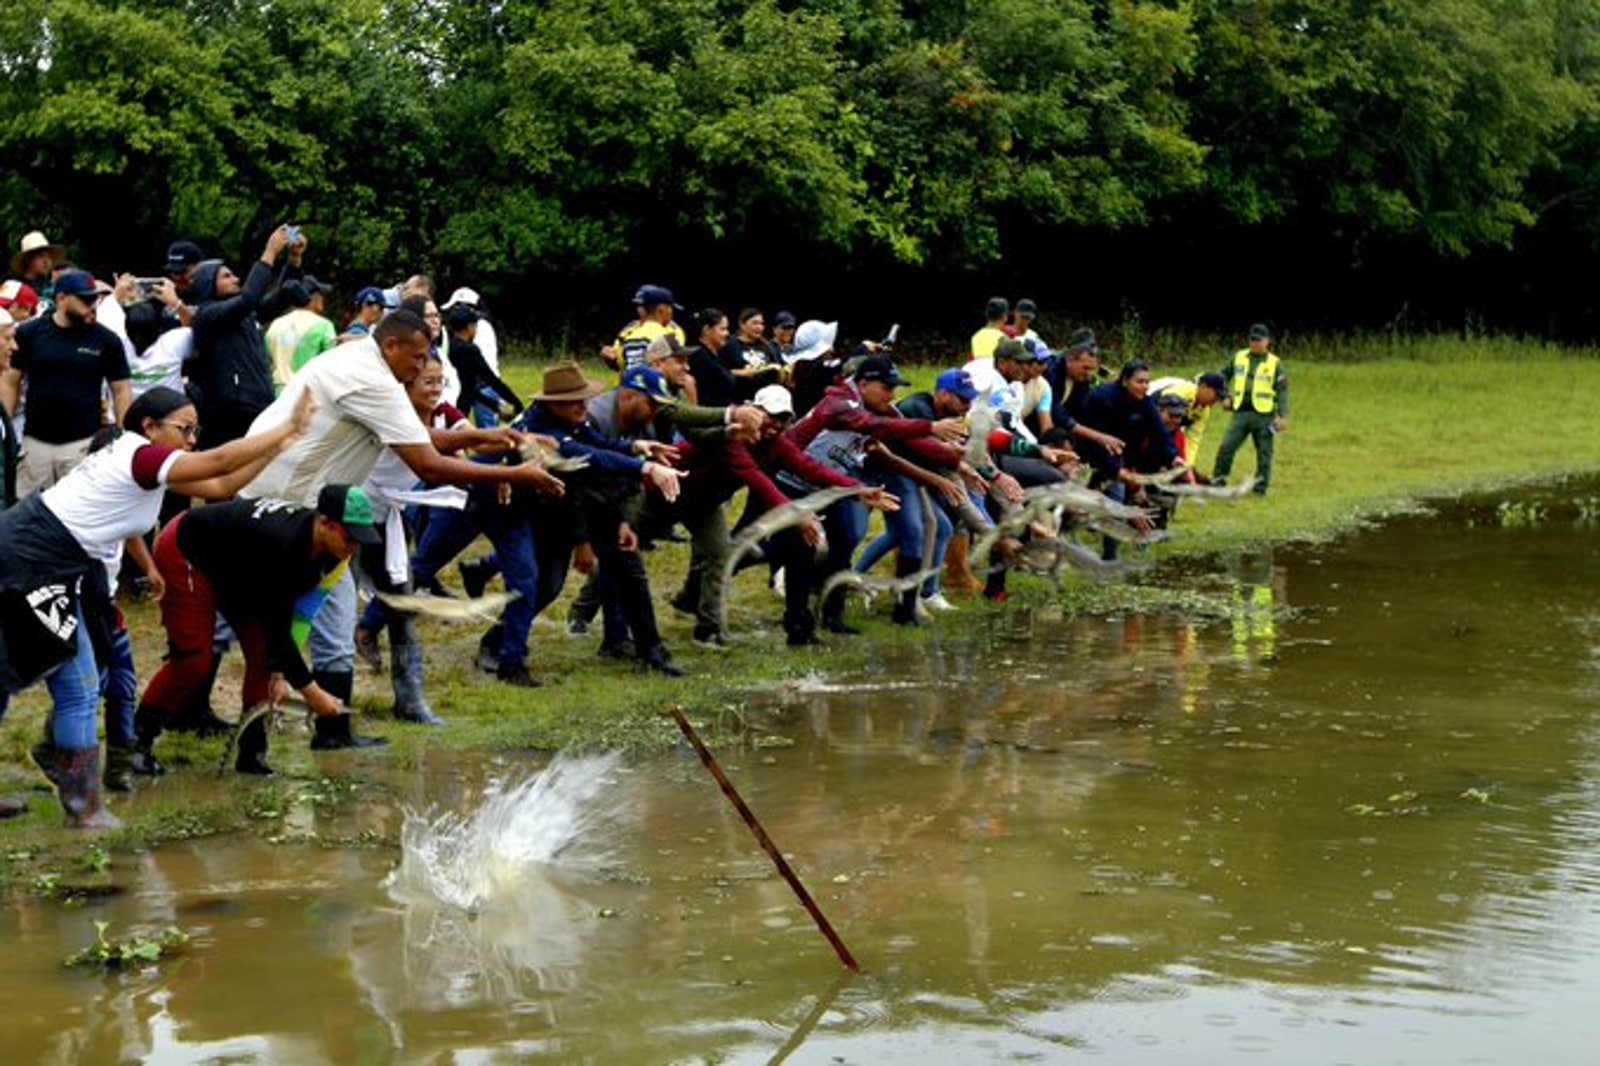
{"x":1369,"y":435}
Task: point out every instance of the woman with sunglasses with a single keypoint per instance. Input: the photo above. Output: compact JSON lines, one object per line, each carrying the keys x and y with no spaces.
{"x":53,"y":586}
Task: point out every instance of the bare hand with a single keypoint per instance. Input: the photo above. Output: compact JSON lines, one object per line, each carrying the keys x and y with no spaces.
{"x":533,"y":476}
{"x":1058,"y":456}
{"x":664,"y":478}
{"x":611,"y":356}
{"x":749,"y":416}
{"x":950,"y":490}
{"x":277,"y":690}
{"x":879,"y":500}
{"x":950,"y":430}
{"x":583,"y":559}
{"x":277,"y":240}
{"x":1111,"y":444}
{"x":1008,"y":488}
{"x":627,"y":539}
{"x":659,"y":451}
{"x":157,"y":585}
{"x":126,"y":288}
{"x":320,"y":701}
{"x":811,"y":533}
{"x":1279,"y":424}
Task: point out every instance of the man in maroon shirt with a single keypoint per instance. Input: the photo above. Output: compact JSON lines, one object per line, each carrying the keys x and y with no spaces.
{"x":774,"y":471}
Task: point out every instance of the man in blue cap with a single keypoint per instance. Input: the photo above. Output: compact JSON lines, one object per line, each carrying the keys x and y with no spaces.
{"x":655,"y":306}
{"x":367,"y":308}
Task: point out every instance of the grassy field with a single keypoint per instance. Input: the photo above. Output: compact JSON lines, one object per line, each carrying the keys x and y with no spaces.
{"x":1373,"y":429}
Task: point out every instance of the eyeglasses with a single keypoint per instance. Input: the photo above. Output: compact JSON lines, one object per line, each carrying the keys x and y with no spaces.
{"x":190,"y":430}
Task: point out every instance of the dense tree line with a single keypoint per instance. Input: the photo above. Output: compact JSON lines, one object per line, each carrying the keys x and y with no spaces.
{"x":562,"y":150}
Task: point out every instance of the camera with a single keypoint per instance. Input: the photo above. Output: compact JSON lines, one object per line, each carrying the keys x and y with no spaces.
{"x":148,"y":287}
{"x":291,"y":233}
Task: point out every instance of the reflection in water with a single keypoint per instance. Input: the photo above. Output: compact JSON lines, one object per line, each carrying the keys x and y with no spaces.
{"x":1364,"y":829}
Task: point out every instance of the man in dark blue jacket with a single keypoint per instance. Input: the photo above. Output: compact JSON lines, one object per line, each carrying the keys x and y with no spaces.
{"x":230,"y":375}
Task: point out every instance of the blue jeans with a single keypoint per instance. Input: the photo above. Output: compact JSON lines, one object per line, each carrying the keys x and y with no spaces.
{"x":449,"y":533}
{"x":120,"y":685}
{"x":332,"y":646}
{"x":887,"y":542}
{"x":75,"y":696}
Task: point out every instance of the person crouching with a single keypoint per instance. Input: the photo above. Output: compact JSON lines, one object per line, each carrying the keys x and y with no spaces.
{"x":260,"y":563}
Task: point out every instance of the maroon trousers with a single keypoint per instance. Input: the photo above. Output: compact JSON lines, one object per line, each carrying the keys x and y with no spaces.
{"x":189,"y":615}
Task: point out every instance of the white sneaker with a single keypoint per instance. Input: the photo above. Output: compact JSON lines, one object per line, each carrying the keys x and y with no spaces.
{"x":937,"y":602}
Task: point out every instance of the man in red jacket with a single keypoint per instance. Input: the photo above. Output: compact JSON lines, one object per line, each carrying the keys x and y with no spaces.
{"x":856,"y":431}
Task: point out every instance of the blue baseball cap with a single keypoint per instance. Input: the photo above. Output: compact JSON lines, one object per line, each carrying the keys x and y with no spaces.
{"x":958,"y":383}
{"x":654,"y":295}
{"x":370,"y":295}
{"x":79,"y":283}
{"x":651,"y":382}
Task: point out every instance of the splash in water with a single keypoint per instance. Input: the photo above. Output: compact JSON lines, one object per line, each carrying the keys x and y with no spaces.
{"x":492,"y":900}
{"x":567,"y":818}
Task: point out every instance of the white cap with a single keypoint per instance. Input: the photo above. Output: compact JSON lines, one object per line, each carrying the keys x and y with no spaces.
{"x":812,"y":338}
{"x":461,"y":296}
{"x":775,"y":400}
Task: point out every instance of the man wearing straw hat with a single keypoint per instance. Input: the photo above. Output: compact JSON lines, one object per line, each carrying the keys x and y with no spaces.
{"x":596,"y":524}
{"x":34,"y":261}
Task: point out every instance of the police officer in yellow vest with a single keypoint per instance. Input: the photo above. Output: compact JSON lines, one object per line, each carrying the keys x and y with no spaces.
{"x":1259,"y":387}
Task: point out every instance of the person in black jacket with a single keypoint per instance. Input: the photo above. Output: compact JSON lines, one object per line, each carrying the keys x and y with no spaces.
{"x":230,"y":375}
{"x":472,"y":368}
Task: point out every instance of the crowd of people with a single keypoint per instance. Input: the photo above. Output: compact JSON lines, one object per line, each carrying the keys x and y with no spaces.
{"x":220,"y":440}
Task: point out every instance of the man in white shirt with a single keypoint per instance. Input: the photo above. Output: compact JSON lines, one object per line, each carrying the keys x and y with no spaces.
{"x":361,"y":409}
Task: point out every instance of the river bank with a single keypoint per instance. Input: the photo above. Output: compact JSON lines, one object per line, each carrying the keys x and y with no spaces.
{"x":1366,"y":439}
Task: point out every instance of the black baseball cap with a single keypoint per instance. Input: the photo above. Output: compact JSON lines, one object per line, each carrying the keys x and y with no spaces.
{"x":878,"y":368}
{"x":349,"y":506}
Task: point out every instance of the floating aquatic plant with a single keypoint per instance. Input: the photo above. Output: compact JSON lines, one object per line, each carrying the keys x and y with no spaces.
{"x":128,"y":951}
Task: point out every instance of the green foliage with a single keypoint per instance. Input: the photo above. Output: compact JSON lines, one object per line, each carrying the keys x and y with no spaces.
{"x":570,"y":136}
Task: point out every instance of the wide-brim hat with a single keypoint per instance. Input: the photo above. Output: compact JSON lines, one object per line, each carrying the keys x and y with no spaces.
{"x":36,"y":242}
{"x":565,"y":381}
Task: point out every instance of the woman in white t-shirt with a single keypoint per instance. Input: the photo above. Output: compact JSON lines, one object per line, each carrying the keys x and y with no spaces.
{"x":53,"y":577}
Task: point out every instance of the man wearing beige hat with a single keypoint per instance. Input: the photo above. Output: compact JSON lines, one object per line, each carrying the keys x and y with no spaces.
{"x":34,"y":260}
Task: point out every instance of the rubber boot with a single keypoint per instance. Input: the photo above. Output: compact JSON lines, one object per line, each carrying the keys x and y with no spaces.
{"x":44,"y":753}
{"x":405,"y":671}
{"x":833,"y":615}
{"x":118,"y":775}
{"x":334,"y":732}
{"x":78,"y":785}
{"x":905,"y":601}
{"x":958,"y":573}
{"x":147,"y":725}
{"x":252,"y":755}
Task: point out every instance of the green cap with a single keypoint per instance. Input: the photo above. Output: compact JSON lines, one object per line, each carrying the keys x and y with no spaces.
{"x":349,"y":506}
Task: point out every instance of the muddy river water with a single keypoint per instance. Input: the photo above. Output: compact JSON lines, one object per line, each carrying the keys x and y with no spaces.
{"x":1356,"y":822}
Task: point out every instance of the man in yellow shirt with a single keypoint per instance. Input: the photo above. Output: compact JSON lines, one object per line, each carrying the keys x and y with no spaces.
{"x":656,"y":306}
{"x":994,"y":330}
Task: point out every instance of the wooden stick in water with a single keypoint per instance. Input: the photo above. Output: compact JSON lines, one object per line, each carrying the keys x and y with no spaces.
{"x":765,"y":841}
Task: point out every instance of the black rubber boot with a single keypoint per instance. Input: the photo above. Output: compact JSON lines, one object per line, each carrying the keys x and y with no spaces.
{"x":905,"y":601}
{"x":252,"y":756}
{"x":118,"y":774}
{"x":334,"y":733}
{"x":146,"y":728}
{"x":833,"y":615}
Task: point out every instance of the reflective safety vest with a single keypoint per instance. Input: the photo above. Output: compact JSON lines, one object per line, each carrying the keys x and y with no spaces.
{"x":1261,"y":387}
